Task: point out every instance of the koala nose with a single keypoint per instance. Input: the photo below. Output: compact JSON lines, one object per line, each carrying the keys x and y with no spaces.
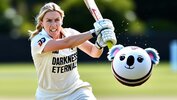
{"x":130,"y":60}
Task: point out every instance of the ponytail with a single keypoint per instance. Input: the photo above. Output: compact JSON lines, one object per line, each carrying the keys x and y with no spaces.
{"x":35,"y":32}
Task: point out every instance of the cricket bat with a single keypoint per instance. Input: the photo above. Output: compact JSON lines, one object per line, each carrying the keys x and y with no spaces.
{"x":91,"y":5}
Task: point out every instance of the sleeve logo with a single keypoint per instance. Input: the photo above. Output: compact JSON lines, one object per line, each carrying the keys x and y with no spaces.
{"x":41,"y":41}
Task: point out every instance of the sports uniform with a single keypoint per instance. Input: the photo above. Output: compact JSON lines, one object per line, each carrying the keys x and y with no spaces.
{"x":58,"y":77}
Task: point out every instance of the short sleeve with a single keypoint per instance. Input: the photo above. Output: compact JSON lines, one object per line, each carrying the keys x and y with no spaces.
{"x":38,"y":43}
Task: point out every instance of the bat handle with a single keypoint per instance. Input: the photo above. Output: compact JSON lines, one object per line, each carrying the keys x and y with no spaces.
{"x":109,"y":44}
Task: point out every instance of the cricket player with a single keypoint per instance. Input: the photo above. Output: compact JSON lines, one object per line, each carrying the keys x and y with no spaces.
{"x":54,"y":53}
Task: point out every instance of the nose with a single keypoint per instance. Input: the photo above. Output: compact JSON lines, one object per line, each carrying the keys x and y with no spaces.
{"x":53,"y":23}
{"x":130,"y":60}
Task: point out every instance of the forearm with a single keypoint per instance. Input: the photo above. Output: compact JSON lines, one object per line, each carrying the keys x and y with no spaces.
{"x":76,"y":40}
{"x":68,"y":42}
{"x":90,"y":49}
{"x":95,"y":52}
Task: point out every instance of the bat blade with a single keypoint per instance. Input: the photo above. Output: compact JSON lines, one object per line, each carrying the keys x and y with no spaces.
{"x":91,"y":5}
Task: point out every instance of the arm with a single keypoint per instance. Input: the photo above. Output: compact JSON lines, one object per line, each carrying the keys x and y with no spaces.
{"x":91,"y":49}
{"x":68,"y":42}
{"x":78,"y":39}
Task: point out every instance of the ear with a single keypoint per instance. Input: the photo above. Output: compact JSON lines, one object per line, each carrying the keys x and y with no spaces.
{"x":113,"y":51}
{"x":153,"y":54}
{"x":41,"y":23}
{"x":61,"y":23}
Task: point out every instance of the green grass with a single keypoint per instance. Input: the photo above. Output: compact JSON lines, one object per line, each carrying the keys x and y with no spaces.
{"x":19,"y":79}
{"x":162,"y":82}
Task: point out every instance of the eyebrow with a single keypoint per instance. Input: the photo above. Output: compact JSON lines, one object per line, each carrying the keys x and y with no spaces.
{"x":54,"y":18}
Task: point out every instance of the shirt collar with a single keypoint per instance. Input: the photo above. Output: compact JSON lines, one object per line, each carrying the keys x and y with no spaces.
{"x":43,"y":32}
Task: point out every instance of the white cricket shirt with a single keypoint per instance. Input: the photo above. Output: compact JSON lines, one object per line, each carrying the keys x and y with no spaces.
{"x":56,"y":70}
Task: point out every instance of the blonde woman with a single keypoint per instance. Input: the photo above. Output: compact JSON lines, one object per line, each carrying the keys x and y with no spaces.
{"x":54,"y":53}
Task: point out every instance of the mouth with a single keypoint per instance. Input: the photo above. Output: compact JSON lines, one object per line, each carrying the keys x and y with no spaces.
{"x":53,"y":30}
{"x":129,"y":67}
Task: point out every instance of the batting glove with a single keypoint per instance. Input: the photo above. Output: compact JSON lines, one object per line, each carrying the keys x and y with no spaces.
{"x":99,"y":42}
{"x":102,"y":24}
{"x":113,"y":51}
{"x":108,"y":35}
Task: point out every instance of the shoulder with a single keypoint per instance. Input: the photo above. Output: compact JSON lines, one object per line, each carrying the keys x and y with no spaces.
{"x":38,"y":43}
{"x":39,"y":39}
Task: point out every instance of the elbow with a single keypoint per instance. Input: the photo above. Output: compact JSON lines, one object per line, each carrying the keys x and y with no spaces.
{"x":96,"y":56}
{"x":96,"y":53}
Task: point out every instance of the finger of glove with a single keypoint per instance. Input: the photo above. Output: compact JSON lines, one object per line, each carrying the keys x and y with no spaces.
{"x":103,"y":24}
{"x":106,"y":23}
{"x":108,"y":35}
{"x":100,"y":41}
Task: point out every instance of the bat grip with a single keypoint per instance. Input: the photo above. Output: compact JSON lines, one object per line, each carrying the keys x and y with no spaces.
{"x":109,"y":44}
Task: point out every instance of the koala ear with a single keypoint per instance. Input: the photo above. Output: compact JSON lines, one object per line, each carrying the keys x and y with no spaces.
{"x":117,"y":48}
{"x":153,"y":54}
{"x":113,"y":51}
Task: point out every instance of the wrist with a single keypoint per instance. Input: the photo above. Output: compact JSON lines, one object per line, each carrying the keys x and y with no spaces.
{"x":92,"y":32}
{"x":98,"y":46}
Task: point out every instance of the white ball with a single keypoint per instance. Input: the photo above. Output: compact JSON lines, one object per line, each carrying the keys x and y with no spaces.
{"x":132,"y":66}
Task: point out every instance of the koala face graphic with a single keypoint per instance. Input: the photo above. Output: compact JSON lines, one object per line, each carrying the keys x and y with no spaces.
{"x":133,"y":65}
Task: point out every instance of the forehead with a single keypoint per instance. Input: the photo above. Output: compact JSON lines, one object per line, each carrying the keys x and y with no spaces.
{"x":133,"y":47}
{"x":52,"y":15}
{"x":132,"y":50}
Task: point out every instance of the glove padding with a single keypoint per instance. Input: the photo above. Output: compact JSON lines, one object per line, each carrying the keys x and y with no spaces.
{"x":99,"y":42}
{"x":105,"y":36}
{"x":102,"y":24}
{"x":108,"y":35}
{"x":113,"y":51}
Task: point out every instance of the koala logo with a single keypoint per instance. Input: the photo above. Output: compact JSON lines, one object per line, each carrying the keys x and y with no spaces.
{"x":131,"y":59}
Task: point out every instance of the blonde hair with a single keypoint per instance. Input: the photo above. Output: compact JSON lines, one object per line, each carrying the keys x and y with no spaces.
{"x":46,"y":8}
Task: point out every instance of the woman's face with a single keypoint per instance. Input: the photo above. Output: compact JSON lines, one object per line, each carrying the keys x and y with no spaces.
{"x":52,"y":23}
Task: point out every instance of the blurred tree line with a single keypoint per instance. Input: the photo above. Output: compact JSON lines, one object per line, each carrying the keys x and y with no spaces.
{"x":134,"y":17}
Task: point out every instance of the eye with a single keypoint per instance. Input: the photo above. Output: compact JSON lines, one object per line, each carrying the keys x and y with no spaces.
{"x":122,"y":58}
{"x":140,"y":59}
{"x":49,"y":20}
{"x":57,"y":19}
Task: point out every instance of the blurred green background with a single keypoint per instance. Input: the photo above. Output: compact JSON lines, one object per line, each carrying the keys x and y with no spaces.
{"x":144,"y":23}
{"x":129,"y":16}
